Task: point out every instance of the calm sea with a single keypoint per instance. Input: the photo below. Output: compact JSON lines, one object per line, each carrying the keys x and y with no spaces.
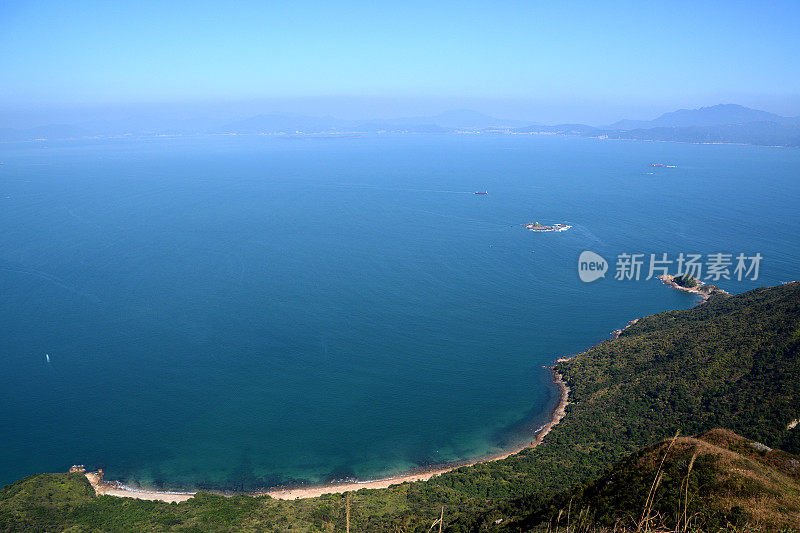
{"x":235,"y":312}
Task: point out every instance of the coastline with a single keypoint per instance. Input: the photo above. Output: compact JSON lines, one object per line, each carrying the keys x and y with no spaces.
{"x":703,"y":290}
{"x":617,"y":332}
{"x":113,"y":488}
{"x":117,"y":489}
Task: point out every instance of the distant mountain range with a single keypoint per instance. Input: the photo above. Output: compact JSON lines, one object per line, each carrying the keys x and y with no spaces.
{"x":723,"y":123}
{"x":718,"y":115}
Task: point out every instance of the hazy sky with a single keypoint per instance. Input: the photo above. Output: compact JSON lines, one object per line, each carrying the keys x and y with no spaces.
{"x":541,"y":61}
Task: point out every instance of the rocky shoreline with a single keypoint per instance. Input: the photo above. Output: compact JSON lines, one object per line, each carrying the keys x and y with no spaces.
{"x":703,"y":290}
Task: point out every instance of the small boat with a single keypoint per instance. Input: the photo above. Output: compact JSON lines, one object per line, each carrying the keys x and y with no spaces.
{"x":479,"y":192}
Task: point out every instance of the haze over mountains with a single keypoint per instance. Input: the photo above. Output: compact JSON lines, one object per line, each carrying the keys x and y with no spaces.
{"x":723,"y":123}
{"x":705,"y":116}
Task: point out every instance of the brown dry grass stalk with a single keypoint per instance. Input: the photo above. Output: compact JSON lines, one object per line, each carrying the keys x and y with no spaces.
{"x":645,"y":522}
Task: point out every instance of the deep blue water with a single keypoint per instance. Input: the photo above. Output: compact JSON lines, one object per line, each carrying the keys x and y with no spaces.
{"x":234,"y":312}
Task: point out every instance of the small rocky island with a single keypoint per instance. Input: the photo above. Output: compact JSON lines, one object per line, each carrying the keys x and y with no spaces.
{"x":536,"y":226}
{"x":688,"y":283}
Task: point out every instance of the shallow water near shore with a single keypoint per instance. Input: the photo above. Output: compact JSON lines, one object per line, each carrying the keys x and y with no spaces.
{"x":241,"y":312}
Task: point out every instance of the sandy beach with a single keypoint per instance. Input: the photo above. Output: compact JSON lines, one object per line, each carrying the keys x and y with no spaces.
{"x":105,"y":488}
{"x":112,"y":488}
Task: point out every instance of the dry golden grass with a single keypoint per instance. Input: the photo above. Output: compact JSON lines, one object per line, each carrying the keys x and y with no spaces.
{"x":764,"y":483}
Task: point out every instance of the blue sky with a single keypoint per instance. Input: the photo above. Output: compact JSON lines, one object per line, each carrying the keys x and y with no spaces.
{"x":549,"y":61}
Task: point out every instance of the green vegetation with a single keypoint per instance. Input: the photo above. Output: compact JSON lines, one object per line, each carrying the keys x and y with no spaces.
{"x":732,"y":362}
{"x":685,"y":280}
{"x":716,"y":481}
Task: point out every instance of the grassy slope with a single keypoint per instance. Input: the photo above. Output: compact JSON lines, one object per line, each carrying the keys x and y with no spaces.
{"x":732,"y":362}
{"x":714,"y":481}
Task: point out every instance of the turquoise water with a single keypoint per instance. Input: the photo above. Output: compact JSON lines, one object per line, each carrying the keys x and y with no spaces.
{"x":238,"y":312}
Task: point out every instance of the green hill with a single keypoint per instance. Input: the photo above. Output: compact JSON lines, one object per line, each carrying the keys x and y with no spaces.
{"x":731,"y":362}
{"x":715,"y":481}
